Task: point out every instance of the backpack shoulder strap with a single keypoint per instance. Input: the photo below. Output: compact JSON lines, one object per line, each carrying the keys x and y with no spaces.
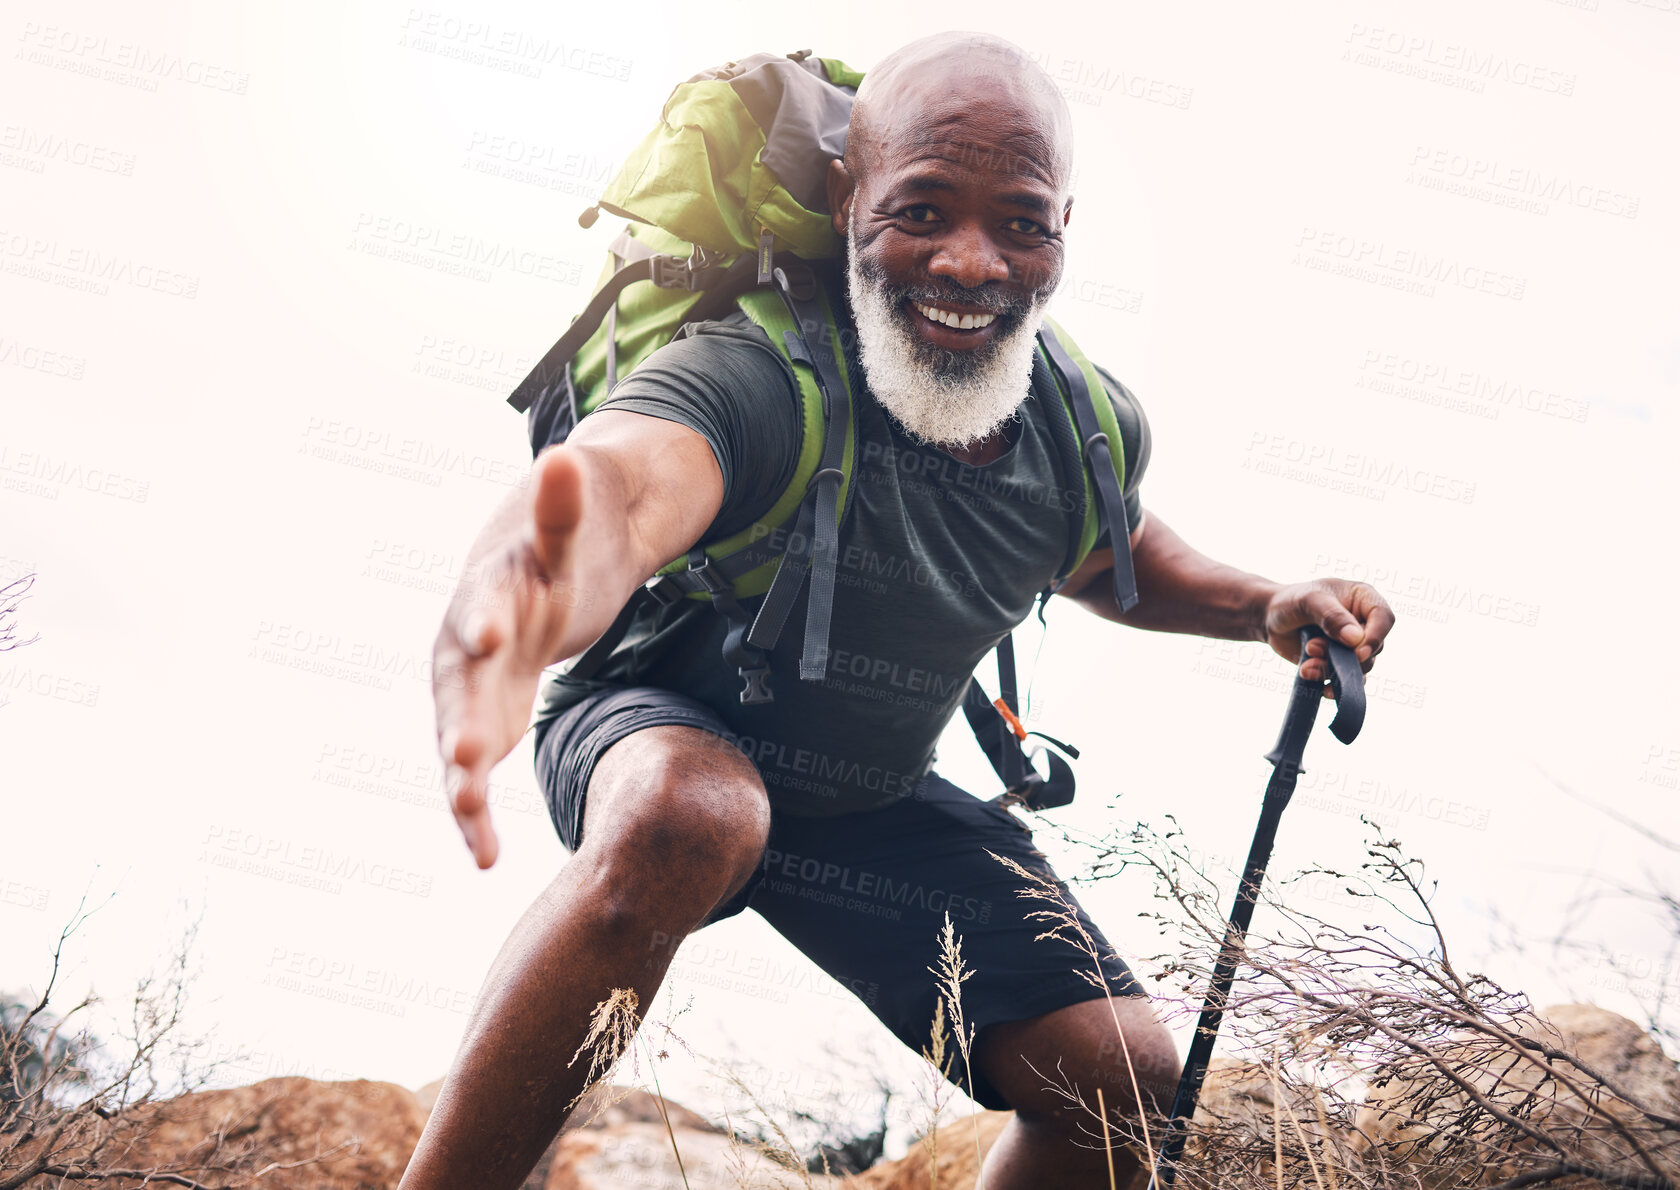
{"x":800,"y":531}
{"x":1103,"y":455}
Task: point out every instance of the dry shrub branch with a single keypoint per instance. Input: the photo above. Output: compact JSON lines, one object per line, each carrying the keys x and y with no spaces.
{"x":1369,"y":1058}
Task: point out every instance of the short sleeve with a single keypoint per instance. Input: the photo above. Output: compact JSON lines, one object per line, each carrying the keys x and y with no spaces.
{"x":725,"y":381}
{"x":1135,"y":437}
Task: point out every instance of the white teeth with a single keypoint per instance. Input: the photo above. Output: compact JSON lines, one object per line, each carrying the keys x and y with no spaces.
{"x":961,"y":322}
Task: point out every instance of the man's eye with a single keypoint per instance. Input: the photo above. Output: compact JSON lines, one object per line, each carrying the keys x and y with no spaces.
{"x":920,"y":213}
{"x":1026,"y":226}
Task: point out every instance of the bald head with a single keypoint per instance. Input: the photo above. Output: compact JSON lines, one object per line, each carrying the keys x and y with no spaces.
{"x":932,"y":91}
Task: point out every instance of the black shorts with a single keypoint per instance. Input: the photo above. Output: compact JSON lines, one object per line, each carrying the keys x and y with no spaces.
{"x":865,"y":895}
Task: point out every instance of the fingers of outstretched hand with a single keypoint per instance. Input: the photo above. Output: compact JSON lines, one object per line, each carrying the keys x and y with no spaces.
{"x":466,"y":786}
{"x":467,"y":650}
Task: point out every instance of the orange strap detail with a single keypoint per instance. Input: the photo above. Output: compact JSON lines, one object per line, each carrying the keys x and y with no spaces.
{"x":1009,"y":717}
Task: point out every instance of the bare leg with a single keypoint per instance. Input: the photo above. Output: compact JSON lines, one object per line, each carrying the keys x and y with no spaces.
{"x":675,"y":822}
{"x":1050,"y":1142}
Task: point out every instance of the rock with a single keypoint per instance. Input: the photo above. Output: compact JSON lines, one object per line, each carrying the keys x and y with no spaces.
{"x":954,"y":1143}
{"x":608,"y":1107}
{"x":363,"y":1132}
{"x":1417,"y":1118}
{"x":1235,"y":1128}
{"x":639,"y":1154}
{"x":603,"y":1108}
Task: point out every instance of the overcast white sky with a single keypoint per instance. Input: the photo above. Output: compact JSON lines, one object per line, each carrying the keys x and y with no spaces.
{"x":1395,"y":284}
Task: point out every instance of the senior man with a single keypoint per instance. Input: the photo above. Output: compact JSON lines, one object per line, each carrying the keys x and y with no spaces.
{"x":678,"y":802}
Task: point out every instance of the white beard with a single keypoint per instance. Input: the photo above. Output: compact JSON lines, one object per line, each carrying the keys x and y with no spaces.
{"x":943,"y":398}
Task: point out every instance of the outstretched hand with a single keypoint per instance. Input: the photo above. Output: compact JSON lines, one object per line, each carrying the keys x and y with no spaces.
{"x":1352,"y":613}
{"x":505,"y":623}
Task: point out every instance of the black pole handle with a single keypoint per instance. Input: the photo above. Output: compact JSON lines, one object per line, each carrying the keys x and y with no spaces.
{"x":1347,"y":680}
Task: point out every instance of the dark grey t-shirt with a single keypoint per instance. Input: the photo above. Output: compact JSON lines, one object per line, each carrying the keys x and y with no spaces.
{"x":938,"y":560}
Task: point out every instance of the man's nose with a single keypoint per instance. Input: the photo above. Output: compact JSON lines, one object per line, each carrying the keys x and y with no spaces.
{"x":967,"y":255}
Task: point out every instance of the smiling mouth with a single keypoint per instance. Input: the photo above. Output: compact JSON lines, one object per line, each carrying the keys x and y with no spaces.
{"x":953,"y":320}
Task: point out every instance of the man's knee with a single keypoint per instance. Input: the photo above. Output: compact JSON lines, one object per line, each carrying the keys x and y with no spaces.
{"x":1046,"y":1065}
{"x":1143,"y":1055}
{"x":679,"y":808}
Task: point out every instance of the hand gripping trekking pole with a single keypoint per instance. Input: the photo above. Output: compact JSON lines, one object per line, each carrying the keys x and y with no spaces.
{"x":1349,"y":686}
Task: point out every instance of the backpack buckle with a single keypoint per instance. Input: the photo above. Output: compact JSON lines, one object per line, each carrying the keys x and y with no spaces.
{"x":677,"y":272}
{"x":757,"y":691}
{"x":664,"y":590}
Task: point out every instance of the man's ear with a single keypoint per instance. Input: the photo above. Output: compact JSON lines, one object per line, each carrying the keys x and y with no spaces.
{"x":841,"y":188}
{"x":1067,"y":212}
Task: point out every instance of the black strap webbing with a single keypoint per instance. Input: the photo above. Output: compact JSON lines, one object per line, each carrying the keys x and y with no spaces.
{"x":550,"y":367}
{"x":668,"y":272}
{"x":816,"y":535}
{"x":1101,"y":464}
{"x":1014,"y":761}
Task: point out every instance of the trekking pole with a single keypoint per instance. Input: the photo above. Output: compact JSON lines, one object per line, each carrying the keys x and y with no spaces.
{"x":1348,"y":683}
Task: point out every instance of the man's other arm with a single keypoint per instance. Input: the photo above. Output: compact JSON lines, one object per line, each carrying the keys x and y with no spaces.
{"x":1183,"y":590}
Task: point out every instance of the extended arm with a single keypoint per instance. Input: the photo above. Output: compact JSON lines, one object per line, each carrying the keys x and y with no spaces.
{"x":548,"y":574}
{"x":1182,"y":590}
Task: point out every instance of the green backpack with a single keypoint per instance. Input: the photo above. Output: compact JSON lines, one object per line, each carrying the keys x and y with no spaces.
{"x":728,"y":209}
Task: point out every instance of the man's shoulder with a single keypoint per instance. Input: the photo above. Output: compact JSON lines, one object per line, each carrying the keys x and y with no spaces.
{"x":734,"y":337}
{"x":723,"y":379}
